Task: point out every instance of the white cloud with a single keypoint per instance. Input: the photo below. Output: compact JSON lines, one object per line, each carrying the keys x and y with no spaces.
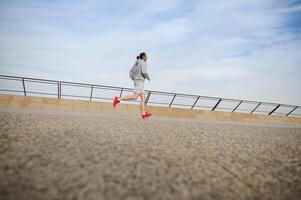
{"x":290,"y":9}
{"x":234,"y":48}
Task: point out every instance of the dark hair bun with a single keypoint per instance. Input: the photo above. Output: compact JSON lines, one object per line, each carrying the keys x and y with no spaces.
{"x":137,"y":57}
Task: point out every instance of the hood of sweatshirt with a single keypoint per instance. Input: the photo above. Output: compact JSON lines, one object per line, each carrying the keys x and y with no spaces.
{"x":140,"y":61}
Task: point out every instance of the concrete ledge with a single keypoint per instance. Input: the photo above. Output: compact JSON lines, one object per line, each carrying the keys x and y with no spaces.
{"x":44,"y":103}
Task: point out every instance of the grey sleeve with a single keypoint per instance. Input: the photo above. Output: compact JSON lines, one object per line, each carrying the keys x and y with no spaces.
{"x":131,"y":74}
{"x":144,"y":71}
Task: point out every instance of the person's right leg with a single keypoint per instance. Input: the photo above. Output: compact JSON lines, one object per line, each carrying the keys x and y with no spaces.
{"x":142,"y":103}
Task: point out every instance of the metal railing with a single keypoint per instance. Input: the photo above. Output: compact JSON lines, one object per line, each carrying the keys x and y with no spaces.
{"x":196,"y":99}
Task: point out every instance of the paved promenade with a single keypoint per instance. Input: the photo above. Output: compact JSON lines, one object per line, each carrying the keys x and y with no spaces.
{"x":45,"y":156}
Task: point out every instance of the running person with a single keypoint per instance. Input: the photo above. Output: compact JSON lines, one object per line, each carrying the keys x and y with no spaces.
{"x":138,"y":74}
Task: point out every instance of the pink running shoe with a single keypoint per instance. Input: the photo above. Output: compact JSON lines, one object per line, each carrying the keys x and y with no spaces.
{"x":147,"y":115}
{"x":115,"y":101}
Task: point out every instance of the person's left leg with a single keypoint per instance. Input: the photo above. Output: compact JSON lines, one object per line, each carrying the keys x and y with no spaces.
{"x":116,"y":99}
{"x":130,"y":97}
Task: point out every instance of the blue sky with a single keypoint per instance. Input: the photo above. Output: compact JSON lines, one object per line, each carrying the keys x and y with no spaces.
{"x":236,"y":48}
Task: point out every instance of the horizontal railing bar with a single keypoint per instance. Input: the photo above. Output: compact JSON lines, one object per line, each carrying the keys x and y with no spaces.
{"x":299,"y":115}
{"x":219,"y":108}
{"x":183,"y":94}
{"x":158,"y":102}
{"x":268,"y":104}
{"x":110,"y":99}
{"x":152,"y":102}
{"x":224,"y":107}
{"x":207,"y":98}
{"x":79,"y":96}
{"x":282,"y":113}
{"x":102,"y":98}
{"x":231,"y":100}
{"x":249,"y":102}
{"x":186,"y":96}
{"x":123,"y":90}
{"x":79,"y":86}
{"x":93,"y":97}
{"x":204,"y":97}
{"x":8,"y":76}
{"x":11,"y":78}
{"x":178,"y":104}
{"x":11,"y":90}
{"x":260,"y":111}
{"x":263,"y":110}
{"x":94,"y":85}
{"x":100,"y":87}
{"x":4,"y":77}
{"x":244,"y":110}
{"x":179,"y":94}
{"x":76,"y":83}
{"x":27,"y":92}
{"x":162,"y":93}
{"x":38,"y":81}
{"x":203,"y":107}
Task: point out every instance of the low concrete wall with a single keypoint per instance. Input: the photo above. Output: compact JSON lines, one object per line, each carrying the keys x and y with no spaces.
{"x":43,"y":103}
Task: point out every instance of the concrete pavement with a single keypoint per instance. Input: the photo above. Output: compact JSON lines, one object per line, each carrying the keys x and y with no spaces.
{"x":75,"y":156}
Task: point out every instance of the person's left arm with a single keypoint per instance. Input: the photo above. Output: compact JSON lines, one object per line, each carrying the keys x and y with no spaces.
{"x":144,"y":71}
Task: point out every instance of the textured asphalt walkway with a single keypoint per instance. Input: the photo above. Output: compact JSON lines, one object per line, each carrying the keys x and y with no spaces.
{"x":58,"y":156}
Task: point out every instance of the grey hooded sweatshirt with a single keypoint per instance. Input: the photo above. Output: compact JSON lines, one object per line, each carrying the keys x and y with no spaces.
{"x":139,"y":71}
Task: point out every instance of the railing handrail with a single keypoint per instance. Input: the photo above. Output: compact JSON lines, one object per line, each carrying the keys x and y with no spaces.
{"x":172,"y":94}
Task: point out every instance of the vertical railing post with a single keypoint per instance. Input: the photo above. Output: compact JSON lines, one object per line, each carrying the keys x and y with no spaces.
{"x":216,"y":104}
{"x":147,"y":98}
{"x":274,"y":109}
{"x":195,"y":102}
{"x":291,"y":111}
{"x":91,"y":93}
{"x":256,"y":107}
{"x":24,"y":86}
{"x":58,"y":89}
{"x":172,"y":100}
{"x":237,"y":106}
{"x":121,"y":92}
